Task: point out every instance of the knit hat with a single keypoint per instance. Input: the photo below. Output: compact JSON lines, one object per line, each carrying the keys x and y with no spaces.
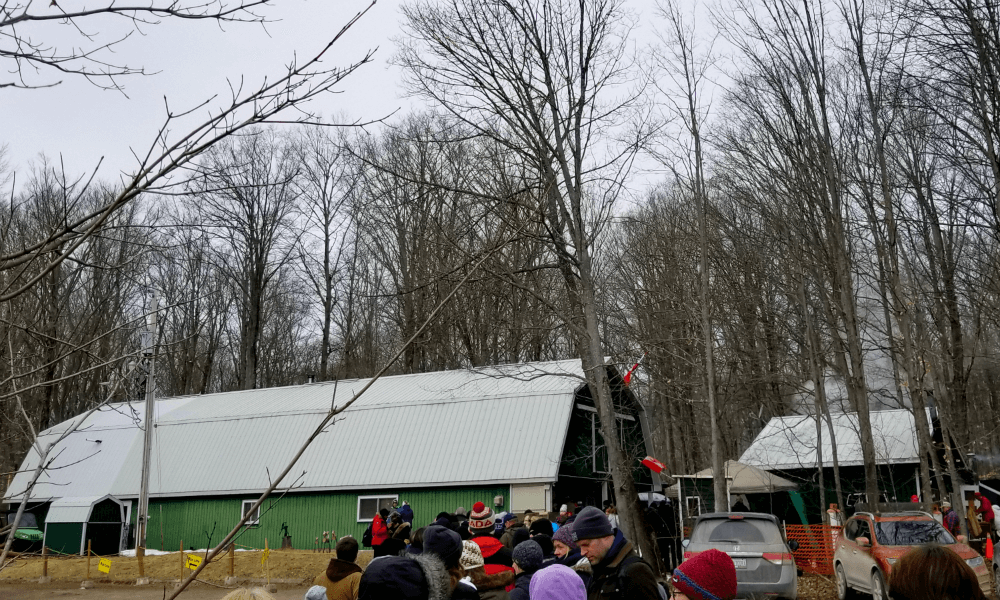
{"x":460,"y":511}
{"x":946,"y":504}
{"x":498,"y":521}
{"x":443,"y":542}
{"x":520,"y":534}
{"x":508,"y":518}
{"x":557,"y":582}
{"x":316,"y":592}
{"x":591,"y":523}
{"x":563,"y":508}
{"x":528,"y":556}
{"x":472,"y":556}
{"x":542,"y":525}
{"x":393,"y":577}
{"x":481,"y":518}
{"x":565,"y":535}
{"x":545,"y":542}
{"x":709,"y":575}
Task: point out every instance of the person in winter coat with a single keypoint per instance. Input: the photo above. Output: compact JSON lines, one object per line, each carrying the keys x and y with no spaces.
{"x":398,"y":528}
{"x":496,"y":557}
{"x":569,"y":554}
{"x":710,"y":575}
{"x":342,"y":576}
{"x":543,"y":526}
{"x":557,"y":582}
{"x":548,"y":550}
{"x":380,"y":531}
{"x":527,"y":560}
{"x":950,"y":520}
{"x":985,"y":514}
{"x":435,"y":574}
{"x":490,"y":587}
{"x":512,"y":524}
{"x":619,"y":573}
{"x":406,"y":512}
{"x":612,"y":513}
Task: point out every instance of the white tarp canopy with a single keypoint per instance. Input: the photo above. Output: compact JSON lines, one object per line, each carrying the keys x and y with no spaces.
{"x":744,"y":479}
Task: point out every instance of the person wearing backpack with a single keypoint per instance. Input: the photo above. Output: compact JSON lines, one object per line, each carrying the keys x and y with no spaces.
{"x":619,"y":573}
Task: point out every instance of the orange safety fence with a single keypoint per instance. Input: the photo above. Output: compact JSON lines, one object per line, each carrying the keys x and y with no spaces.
{"x":815,"y":553}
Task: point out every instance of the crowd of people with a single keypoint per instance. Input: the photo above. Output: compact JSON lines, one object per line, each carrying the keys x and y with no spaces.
{"x":481,"y":555}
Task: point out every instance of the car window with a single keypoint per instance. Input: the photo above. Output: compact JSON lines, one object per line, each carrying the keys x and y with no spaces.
{"x":864,"y":530}
{"x":911,"y":533}
{"x":851,"y":529}
{"x":27,"y":520}
{"x":747,"y":531}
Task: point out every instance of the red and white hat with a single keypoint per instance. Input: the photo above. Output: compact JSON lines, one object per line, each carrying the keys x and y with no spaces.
{"x":481,"y":517}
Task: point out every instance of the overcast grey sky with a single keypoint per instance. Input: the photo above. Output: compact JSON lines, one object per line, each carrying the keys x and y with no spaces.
{"x":192,"y":61}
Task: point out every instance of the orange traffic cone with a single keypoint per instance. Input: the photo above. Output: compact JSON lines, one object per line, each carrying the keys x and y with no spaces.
{"x":989,"y":548}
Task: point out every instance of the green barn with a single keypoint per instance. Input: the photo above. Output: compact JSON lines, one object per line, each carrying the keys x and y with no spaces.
{"x":517,"y":437}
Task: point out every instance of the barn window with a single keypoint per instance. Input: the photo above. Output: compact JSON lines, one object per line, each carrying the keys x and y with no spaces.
{"x":254,"y":518}
{"x":369,"y":505}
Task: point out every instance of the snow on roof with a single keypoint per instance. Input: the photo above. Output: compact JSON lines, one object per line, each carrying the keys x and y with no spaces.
{"x":425,"y":429}
{"x":790,"y":442}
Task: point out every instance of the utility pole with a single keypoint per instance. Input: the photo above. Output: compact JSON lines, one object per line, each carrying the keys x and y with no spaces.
{"x":149,"y":352}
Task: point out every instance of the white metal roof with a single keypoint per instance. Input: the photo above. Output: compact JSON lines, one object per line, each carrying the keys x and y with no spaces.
{"x":790,"y":442}
{"x":72,"y":509}
{"x":463,"y":427}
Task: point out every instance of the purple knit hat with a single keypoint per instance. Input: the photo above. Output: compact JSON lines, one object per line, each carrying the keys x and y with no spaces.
{"x":556,"y":582}
{"x":565,"y":535}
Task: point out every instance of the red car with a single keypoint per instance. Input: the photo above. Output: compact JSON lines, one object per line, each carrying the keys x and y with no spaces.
{"x":870,"y":544}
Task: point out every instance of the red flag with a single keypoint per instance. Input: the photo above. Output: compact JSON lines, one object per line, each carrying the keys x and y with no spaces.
{"x":628,"y":375}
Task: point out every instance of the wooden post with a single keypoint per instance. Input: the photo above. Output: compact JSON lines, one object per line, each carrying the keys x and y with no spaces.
{"x":88,"y":558}
{"x":139,"y":553}
{"x":266,"y":570}
{"x":45,"y":560}
{"x":182,"y":560}
{"x":232,"y":559}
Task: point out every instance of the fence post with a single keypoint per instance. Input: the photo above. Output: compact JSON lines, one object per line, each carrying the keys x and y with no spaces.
{"x":232,"y":559}
{"x":139,"y":553}
{"x":88,"y":559}
{"x":182,"y":560}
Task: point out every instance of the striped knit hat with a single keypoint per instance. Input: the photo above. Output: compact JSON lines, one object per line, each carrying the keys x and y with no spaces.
{"x":709,"y":575}
{"x":481,"y":519}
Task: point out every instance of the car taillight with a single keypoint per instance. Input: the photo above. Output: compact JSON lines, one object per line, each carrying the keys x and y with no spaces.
{"x":778,"y":558}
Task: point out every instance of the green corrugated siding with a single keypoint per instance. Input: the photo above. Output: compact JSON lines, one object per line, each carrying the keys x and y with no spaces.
{"x":307,"y":515}
{"x":64,"y":537}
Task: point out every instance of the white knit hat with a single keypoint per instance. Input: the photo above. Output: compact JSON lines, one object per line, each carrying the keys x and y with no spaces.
{"x":472,"y":556}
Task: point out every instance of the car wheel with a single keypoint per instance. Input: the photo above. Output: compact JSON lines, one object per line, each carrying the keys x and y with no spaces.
{"x":843,"y":591}
{"x":879,"y":591}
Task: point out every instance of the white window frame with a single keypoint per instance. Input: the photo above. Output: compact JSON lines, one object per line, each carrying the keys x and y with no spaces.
{"x":246,"y":504}
{"x":370,"y":518}
{"x":697,"y":505}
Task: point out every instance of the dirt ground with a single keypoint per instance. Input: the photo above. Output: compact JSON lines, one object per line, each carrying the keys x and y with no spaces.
{"x":284,"y":565}
{"x":108,"y":591}
{"x":292,"y":571}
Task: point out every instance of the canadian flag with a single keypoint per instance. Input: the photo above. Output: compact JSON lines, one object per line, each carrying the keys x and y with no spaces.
{"x":628,"y":375}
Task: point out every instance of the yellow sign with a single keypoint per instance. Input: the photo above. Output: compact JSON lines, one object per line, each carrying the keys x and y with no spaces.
{"x":263,"y":557}
{"x":104,"y":566}
{"x":192,"y":561}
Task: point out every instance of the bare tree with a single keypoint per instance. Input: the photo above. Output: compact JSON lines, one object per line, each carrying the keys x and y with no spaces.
{"x":534,"y":76}
{"x":245,"y":192}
